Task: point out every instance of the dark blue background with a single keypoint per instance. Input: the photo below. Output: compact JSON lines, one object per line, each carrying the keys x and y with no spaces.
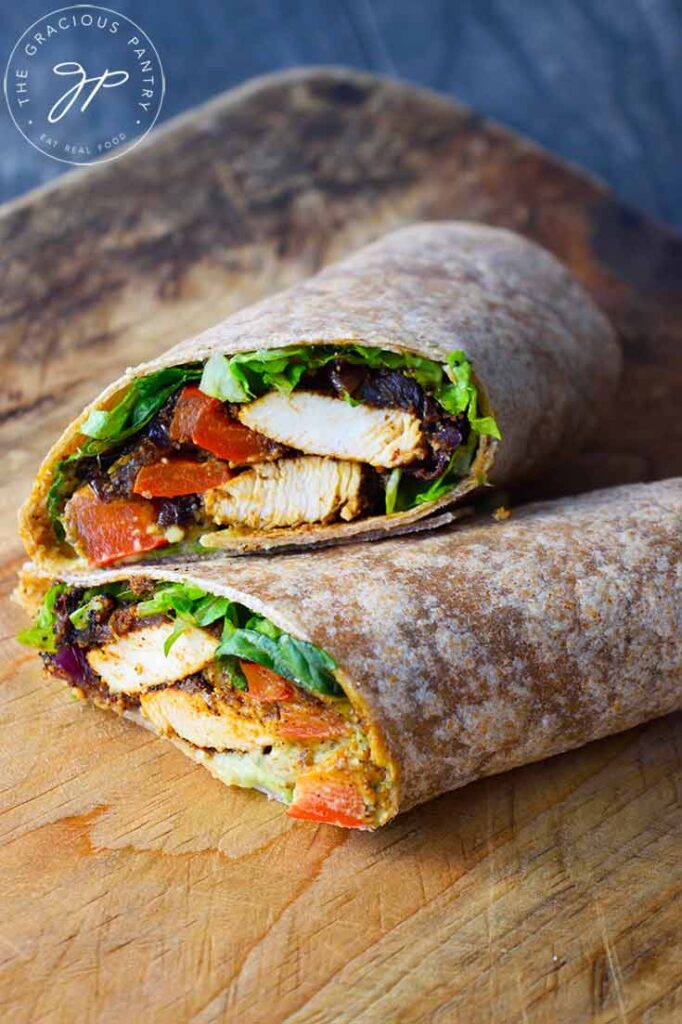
{"x":597,"y":81}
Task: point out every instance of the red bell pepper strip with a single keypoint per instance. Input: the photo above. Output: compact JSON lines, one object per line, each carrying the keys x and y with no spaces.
{"x":301,"y":723}
{"x":329,"y":801}
{"x":171,"y":478}
{"x":190,"y":405}
{"x":229,"y":439}
{"x":110,"y":530}
{"x":266,"y":685}
{"x":206,"y":423}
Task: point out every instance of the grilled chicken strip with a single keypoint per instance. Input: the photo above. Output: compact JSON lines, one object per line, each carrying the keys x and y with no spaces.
{"x":136,"y":661}
{"x":290,"y":492}
{"x":206,"y":722}
{"x":322,"y":425}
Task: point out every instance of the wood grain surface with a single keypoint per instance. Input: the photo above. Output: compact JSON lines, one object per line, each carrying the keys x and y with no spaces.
{"x":135,"y":887}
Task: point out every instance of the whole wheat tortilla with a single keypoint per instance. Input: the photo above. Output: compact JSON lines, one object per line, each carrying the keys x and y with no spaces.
{"x":544,"y":358}
{"x":472,"y":650}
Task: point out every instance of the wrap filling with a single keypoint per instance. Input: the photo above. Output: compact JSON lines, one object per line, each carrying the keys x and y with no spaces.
{"x":257,"y":706}
{"x":278,"y":439}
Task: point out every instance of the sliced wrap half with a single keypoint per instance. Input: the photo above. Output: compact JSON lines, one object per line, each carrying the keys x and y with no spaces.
{"x":358,"y":681}
{"x":375,"y":394}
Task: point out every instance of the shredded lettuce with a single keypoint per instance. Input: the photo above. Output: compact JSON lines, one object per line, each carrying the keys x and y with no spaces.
{"x":246,"y":375}
{"x":179,"y":598}
{"x":41,"y":633}
{"x":460,"y":395}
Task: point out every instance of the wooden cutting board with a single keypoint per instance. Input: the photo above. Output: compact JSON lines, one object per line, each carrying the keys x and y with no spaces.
{"x":135,"y":887}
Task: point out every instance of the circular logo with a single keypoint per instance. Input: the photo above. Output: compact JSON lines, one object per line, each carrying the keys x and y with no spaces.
{"x":84,"y":84}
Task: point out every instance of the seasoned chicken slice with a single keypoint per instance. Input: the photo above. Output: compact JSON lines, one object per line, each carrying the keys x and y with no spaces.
{"x":137,"y":660}
{"x":329,"y":426}
{"x":290,"y":492}
{"x":205,"y":721}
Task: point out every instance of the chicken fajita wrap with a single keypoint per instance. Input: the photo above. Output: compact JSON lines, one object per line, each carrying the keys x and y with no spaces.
{"x":462,"y":654}
{"x":380,"y":391}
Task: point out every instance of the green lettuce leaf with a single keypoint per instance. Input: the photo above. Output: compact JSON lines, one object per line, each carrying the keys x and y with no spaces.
{"x":92,"y":600}
{"x":41,"y":633}
{"x":141,"y":402}
{"x":412,"y":492}
{"x":244,"y":635}
{"x":246,"y":375}
{"x":461,"y":395}
{"x":231,"y":672}
{"x":180,"y":598}
{"x":92,"y":603}
{"x":64,"y":482}
{"x":297,"y":660}
{"x":392,"y":490}
{"x":220,"y":379}
{"x":457,"y":395}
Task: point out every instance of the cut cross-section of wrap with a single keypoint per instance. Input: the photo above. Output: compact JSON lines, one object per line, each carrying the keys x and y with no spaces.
{"x":382,"y":390}
{"x":258,"y":706}
{"x":358,"y":681}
